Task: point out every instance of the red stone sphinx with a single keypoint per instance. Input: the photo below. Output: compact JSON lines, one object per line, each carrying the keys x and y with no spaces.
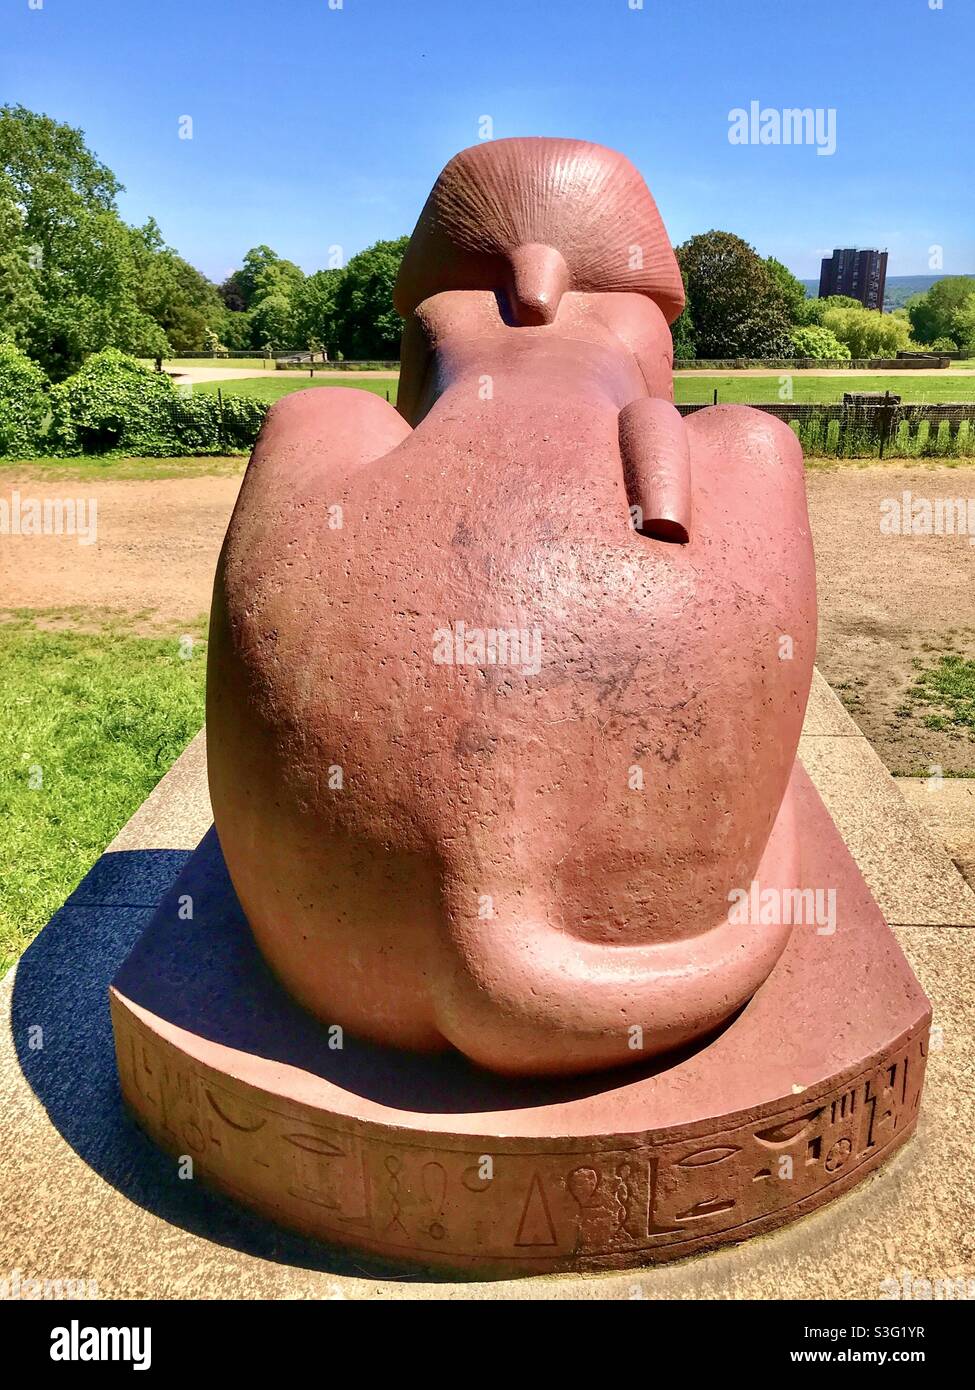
{"x":522,"y":863}
{"x":504,"y":694}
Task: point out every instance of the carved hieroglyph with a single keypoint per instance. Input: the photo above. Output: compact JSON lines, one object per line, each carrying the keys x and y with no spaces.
{"x":574,"y":1205}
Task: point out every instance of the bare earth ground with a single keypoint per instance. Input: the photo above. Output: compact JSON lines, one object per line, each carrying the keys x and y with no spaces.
{"x":156,"y":549}
{"x":884,"y":600}
{"x":231,"y":373}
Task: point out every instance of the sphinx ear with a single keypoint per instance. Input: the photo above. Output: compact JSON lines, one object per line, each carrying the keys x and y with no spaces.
{"x":539,"y":277}
{"x":657,"y":469}
{"x":415,"y":355}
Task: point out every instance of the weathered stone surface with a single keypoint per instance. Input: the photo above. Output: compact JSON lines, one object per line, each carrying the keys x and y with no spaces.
{"x":487,"y":758}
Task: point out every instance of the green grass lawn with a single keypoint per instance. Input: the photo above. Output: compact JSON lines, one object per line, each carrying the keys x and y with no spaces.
{"x":934,"y":387}
{"x":89,"y":722}
{"x":821,"y":390}
{"x":271,"y":388}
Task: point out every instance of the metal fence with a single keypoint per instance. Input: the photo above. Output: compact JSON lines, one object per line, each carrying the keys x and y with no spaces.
{"x":854,"y":430}
{"x":849,"y":430}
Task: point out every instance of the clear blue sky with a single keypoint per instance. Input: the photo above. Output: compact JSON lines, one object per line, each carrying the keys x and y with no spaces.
{"x":315,"y":126}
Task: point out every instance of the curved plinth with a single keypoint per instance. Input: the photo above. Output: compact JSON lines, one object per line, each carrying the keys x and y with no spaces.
{"x":427,"y":1160}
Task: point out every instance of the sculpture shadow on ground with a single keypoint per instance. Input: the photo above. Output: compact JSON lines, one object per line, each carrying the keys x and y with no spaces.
{"x":61,"y":986}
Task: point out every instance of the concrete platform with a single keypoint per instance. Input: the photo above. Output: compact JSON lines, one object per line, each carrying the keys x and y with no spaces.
{"x":84,"y":1195}
{"x":946,"y":806}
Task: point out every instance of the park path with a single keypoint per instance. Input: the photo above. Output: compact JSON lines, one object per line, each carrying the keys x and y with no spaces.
{"x":936,"y":374}
{"x":197,"y":374}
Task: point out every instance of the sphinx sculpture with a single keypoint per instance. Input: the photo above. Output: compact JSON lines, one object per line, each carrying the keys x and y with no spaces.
{"x":523,"y":863}
{"x":504,"y":695}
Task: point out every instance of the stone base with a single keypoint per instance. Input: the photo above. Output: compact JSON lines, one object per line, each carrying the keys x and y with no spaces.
{"x":427,"y":1160}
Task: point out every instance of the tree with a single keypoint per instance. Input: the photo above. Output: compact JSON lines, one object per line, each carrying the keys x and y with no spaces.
{"x":235,"y":330}
{"x":19,"y":297}
{"x":232,"y":293}
{"x":76,"y":277}
{"x":963,"y":332}
{"x":272,"y":321}
{"x":314,"y":310}
{"x":263,"y":273}
{"x":933,"y":314}
{"x":865,"y":332}
{"x":682,"y":332}
{"x":814,"y":309}
{"x":366,"y":324}
{"x":792,"y":290}
{"x":811,"y":340}
{"x":736,"y":305}
{"x":184,"y":303}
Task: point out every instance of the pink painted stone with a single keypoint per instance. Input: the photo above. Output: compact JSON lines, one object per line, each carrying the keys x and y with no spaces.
{"x":505,"y":689}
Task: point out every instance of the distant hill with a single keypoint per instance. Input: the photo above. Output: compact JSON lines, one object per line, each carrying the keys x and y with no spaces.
{"x":898,"y":290}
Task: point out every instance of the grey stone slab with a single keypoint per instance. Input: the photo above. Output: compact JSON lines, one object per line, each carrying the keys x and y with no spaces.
{"x":908,"y":872}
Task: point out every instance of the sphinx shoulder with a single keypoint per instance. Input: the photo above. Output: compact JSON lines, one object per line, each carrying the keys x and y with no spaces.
{"x":747,"y":434}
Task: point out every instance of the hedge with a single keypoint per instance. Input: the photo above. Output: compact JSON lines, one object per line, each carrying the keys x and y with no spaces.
{"x":115,"y":405}
{"x":24,"y":404}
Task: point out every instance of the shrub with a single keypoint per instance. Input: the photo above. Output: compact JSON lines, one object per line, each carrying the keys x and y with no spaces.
{"x":865,"y":332}
{"x":821,"y":343}
{"x":114,"y":403}
{"x":24,"y":402}
{"x":242,"y":420}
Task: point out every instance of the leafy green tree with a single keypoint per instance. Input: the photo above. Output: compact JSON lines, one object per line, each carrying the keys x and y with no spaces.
{"x":83,"y":291}
{"x":792,"y":290}
{"x":314,"y":310}
{"x":272,"y":321}
{"x":811,"y":340}
{"x":815,"y":309}
{"x":20,"y":300}
{"x":736,"y":305}
{"x":263,"y":273}
{"x":682,"y":332}
{"x":367,"y":325}
{"x":235,"y":330}
{"x":933,"y":314}
{"x":865,"y":332}
{"x":232,"y":293}
{"x":963,"y":326}
{"x":184,"y":303}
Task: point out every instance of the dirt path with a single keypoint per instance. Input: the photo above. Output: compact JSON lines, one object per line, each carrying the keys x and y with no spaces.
{"x":156,"y":549}
{"x":195,"y":374}
{"x":883,"y":599}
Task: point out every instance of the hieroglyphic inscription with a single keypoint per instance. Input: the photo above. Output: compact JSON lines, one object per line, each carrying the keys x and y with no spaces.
{"x":406,"y":1193}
